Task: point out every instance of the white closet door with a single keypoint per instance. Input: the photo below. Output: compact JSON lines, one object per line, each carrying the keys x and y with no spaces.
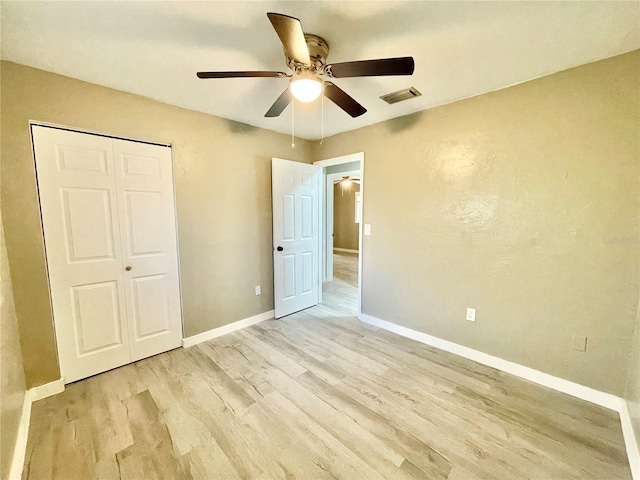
{"x":77,"y":186}
{"x":109,"y":225}
{"x":149,"y":250}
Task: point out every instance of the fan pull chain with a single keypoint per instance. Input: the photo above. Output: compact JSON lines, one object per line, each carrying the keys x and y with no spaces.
{"x":293,"y":136}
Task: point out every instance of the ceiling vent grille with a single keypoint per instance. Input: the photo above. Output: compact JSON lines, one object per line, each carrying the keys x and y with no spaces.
{"x":400,"y":95}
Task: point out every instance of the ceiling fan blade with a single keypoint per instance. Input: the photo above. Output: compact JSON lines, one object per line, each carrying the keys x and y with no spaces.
{"x":240,"y":74}
{"x":371,"y":68}
{"x":291,"y":35}
{"x":343,"y":100}
{"x":280,"y":104}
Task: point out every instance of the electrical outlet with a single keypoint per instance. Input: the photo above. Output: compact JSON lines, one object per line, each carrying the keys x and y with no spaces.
{"x":258,"y":290}
{"x":471,"y":314}
{"x":579,"y":343}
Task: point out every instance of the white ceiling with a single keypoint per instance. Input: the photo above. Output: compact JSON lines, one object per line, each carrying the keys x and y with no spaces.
{"x":461,"y":49}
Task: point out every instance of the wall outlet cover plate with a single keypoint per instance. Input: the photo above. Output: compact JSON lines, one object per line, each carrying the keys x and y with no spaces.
{"x":579,"y":343}
{"x":471,"y":314}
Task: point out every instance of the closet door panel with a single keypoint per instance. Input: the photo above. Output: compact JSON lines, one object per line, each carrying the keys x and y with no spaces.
{"x":149,"y":246}
{"x":78,"y":201}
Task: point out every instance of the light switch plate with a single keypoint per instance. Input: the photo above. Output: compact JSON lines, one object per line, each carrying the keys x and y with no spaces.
{"x":471,"y":314}
{"x":367,"y":229}
{"x":258,"y":290}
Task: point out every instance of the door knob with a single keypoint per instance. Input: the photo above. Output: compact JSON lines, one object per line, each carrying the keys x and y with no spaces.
{"x":280,"y":249}
{"x":128,"y":267}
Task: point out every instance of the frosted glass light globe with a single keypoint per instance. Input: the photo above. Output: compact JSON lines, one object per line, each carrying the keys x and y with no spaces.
{"x":306,"y":88}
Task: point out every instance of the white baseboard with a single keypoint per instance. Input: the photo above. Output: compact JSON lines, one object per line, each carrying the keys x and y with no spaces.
{"x":346,"y":250}
{"x":46,"y":390}
{"x":580,"y":391}
{"x":232,"y":327}
{"x":631,"y":442}
{"x":32,"y":395}
{"x":20,"y":448}
{"x":603,"y":399}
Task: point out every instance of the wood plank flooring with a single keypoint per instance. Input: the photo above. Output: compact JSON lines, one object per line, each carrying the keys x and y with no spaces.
{"x":318,"y":395}
{"x":342,"y":292}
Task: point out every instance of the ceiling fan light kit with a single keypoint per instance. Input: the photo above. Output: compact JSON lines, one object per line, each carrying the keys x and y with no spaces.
{"x":305,"y":86}
{"x":306,"y":55}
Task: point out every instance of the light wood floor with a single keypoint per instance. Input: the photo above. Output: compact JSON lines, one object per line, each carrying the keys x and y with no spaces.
{"x":318,"y":395}
{"x":342,"y":292}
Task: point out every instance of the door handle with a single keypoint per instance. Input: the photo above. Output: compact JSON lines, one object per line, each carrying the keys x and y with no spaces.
{"x":128,"y":268}
{"x":280,"y":249}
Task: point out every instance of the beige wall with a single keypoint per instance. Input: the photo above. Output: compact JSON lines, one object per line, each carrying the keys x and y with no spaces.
{"x":222,"y":173}
{"x":12,"y":386}
{"x":521,"y":203}
{"x":345,"y":230}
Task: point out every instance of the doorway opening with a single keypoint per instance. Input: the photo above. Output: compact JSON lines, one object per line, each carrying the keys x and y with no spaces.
{"x":342,"y":232}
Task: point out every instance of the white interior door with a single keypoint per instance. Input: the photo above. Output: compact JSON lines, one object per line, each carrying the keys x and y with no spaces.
{"x":149,"y":247}
{"x":96,"y":222}
{"x":296,"y":235}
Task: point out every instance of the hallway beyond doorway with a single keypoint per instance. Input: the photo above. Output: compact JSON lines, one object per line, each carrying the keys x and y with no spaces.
{"x":342,"y":292}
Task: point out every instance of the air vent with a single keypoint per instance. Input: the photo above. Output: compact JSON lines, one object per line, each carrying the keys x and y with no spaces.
{"x":400,"y":95}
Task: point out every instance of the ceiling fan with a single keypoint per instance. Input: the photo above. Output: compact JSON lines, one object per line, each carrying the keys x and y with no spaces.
{"x":347,"y":180}
{"x":306,"y":55}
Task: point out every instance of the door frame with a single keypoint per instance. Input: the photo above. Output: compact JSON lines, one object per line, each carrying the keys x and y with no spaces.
{"x":329,"y":162}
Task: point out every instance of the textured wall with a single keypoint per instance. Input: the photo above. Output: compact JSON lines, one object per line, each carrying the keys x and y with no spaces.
{"x":522,"y":203}
{"x":12,"y":386}
{"x":222,"y":172}
{"x":345,"y":230}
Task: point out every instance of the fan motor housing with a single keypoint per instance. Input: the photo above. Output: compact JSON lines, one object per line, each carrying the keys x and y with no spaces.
{"x":318,"y":53}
